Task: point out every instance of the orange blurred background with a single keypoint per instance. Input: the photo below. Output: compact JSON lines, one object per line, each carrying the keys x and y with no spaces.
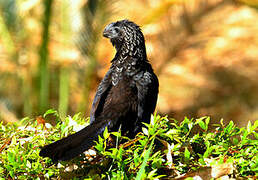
{"x":205,"y":53}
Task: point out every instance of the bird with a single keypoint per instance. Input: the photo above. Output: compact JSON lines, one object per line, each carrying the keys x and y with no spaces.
{"x":125,"y":98}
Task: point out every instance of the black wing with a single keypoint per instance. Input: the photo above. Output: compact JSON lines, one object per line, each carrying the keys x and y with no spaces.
{"x":100,"y":96}
{"x":147,"y":86}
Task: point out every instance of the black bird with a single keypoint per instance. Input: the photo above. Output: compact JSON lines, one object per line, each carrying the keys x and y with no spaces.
{"x":126,"y":96}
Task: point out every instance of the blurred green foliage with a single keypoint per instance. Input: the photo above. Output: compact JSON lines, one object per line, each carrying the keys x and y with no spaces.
{"x":40,"y":41}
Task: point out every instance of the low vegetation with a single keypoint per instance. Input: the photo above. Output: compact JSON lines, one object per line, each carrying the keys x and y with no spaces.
{"x":165,"y":149}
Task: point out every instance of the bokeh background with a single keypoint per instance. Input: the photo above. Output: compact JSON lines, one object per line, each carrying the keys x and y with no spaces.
{"x":205,"y":53}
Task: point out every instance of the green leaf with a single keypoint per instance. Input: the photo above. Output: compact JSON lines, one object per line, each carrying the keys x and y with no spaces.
{"x":11,"y":157}
{"x":144,"y":163}
{"x":117,"y":134}
{"x":190,"y":125}
{"x":229,"y":127}
{"x":189,"y":178}
{"x":28,"y":164}
{"x":187,"y":154}
{"x":201,"y":160}
{"x":207,"y":121}
{"x":152,"y":174}
{"x":11,"y":173}
{"x":235,"y":141}
{"x":50,"y":111}
{"x":106,"y":134}
{"x":249,"y":127}
{"x":222,"y":122}
{"x":202,"y":125}
{"x":1,"y":170}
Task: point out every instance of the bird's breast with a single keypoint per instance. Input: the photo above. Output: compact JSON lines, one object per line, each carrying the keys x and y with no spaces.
{"x":122,"y":96}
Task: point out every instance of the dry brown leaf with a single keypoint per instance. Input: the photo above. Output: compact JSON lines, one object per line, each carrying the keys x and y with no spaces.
{"x":5,"y":144}
{"x":41,"y":120}
{"x":215,"y":171}
{"x":221,"y":170}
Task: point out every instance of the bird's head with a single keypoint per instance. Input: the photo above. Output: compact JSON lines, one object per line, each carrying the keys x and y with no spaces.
{"x":124,"y":33}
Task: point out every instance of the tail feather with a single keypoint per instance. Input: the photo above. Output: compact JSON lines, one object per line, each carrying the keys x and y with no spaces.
{"x":73,"y":145}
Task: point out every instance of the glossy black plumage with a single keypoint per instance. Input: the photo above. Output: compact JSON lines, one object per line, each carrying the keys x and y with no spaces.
{"x":126,"y":96}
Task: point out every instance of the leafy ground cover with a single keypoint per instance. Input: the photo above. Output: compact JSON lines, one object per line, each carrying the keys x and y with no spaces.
{"x":166,"y":149}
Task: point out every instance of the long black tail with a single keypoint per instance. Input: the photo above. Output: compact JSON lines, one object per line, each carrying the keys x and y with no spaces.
{"x":73,"y":145}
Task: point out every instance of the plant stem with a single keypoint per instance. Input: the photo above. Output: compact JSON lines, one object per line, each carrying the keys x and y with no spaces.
{"x":63,"y":91}
{"x":43,"y":64}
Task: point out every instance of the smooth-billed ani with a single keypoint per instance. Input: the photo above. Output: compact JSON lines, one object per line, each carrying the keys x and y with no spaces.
{"x":126,"y":96}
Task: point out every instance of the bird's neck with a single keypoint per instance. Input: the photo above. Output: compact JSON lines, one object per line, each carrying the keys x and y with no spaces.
{"x":128,"y":61}
{"x":130,"y":50}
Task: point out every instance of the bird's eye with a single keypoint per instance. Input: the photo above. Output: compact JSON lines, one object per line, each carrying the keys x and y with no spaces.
{"x":116,"y":29}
